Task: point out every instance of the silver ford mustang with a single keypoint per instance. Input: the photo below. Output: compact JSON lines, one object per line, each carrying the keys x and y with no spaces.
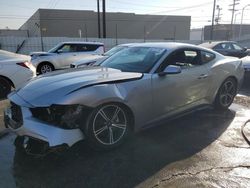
{"x":131,"y":90}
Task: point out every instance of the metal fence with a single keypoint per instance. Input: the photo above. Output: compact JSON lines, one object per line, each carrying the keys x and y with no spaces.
{"x":25,"y":45}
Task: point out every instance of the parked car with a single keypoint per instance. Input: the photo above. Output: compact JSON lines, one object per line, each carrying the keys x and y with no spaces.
{"x":246,"y":63}
{"x":132,"y":90}
{"x":97,"y":59}
{"x":63,"y":54}
{"x":15,"y":70}
{"x":227,"y":48}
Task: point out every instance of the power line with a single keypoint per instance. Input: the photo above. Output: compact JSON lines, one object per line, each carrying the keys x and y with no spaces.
{"x":186,"y":8}
{"x":143,"y":5}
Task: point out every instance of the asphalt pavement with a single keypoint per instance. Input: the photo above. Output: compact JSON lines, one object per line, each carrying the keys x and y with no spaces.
{"x":203,"y":149}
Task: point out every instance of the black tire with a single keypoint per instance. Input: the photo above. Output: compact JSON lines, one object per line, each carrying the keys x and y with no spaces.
{"x":226,"y":94}
{"x":45,"y":68}
{"x":5,"y":88}
{"x":18,"y":142}
{"x":105,"y":130}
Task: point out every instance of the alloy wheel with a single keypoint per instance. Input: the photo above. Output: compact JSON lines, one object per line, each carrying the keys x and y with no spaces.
{"x":227,"y":94}
{"x":46,"y":68}
{"x":110,"y":124}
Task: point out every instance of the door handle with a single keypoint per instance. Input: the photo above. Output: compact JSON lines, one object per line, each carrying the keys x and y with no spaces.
{"x":202,"y":76}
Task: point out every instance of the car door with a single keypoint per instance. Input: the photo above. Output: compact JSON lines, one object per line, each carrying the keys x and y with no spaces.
{"x":67,"y":54}
{"x":177,"y":92}
{"x":224,"y":49}
{"x":238,"y":51}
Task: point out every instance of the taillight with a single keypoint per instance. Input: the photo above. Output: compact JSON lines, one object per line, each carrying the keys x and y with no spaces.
{"x":24,"y":64}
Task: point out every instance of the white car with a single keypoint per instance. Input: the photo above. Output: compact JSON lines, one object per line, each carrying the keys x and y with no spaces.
{"x":246,"y":63}
{"x":97,"y":59}
{"x":15,"y":70}
{"x":63,"y":54}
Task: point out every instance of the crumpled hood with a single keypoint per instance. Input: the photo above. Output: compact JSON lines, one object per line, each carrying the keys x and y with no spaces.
{"x":47,"y":89}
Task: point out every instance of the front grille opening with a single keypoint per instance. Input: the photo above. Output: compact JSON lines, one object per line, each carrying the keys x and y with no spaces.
{"x":16,"y":113}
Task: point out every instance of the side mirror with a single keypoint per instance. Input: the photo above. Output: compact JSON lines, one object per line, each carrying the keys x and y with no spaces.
{"x":59,"y":51}
{"x":245,"y":49}
{"x":171,"y":69}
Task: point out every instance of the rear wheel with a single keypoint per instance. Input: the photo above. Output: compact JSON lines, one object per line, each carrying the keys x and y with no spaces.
{"x":5,"y":88}
{"x":107,"y":127}
{"x":226,"y":94}
{"x":44,"y":68}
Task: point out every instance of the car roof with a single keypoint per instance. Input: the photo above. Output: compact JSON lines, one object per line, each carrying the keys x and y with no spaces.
{"x":166,"y":45}
{"x":214,"y":43}
{"x":171,"y":46}
{"x":80,"y":42}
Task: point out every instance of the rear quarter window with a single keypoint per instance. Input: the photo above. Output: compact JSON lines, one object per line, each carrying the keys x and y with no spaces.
{"x":207,"y":57}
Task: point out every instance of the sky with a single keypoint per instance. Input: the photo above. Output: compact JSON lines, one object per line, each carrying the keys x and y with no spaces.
{"x":15,"y":12}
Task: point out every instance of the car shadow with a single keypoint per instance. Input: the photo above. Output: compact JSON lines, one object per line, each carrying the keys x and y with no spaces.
{"x":142,"y":156}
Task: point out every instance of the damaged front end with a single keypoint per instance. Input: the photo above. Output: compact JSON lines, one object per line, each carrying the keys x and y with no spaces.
{"x":62,"y":116}
{"x":46,"y":129}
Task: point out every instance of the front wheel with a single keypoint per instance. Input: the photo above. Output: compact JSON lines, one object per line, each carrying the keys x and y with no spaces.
{"x":44,"y":68}
{"x":226,"y":94}
{"x":5,"y":88}
{"x":107,"y":127}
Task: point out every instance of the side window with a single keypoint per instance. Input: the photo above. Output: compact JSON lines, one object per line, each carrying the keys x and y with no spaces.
{"x":218,"y":47}
{"x":64,"y":48}
{"x":67,"y":48}
{"x":184,"y":59}
{"x":81,"y":48}
{"x":87,"y":47}
{"x":227,"y":46}
{"x":206,"y":57}
{"x":237,"y":47}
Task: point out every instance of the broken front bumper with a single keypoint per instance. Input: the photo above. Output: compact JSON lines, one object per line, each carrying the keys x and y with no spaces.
{"x":34,"y":128}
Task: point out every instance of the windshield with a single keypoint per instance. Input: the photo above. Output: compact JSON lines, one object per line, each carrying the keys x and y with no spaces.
{"x":114,"y":50}
{"x":134,"y":59}
{"x":52,"y":50}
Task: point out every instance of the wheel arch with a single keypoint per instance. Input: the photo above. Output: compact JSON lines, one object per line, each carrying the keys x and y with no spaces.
{"x":44,"y":62}
{"x":8,"y":79}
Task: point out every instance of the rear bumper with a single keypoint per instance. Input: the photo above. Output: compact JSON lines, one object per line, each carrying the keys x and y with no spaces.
{"x":32,"y":127}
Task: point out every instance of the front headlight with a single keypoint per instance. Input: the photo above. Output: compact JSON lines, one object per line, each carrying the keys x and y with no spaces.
{"x":64,"y":116}
{"x":33,"y":57}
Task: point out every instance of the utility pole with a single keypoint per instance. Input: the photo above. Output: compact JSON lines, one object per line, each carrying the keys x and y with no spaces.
{"x":241,"y":20}
{"x":233,"y":9}
{"x":98,"y":19}
{"x":218,"y":14}
{"x":104,"y":18}
{"x":212,"y":27}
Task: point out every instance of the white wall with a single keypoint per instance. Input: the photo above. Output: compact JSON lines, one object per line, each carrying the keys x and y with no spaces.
{"x":34,"y":43}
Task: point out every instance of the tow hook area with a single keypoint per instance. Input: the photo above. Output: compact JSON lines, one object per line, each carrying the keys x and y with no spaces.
{"x":37,"y":148}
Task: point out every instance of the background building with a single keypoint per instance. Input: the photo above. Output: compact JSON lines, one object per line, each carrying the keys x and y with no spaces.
{"x":223,"y":32}
{"x":76,"y":23}
{"x":13,"y":32}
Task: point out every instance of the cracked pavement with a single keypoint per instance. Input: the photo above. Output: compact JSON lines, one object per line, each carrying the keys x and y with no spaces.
{"x":203,"y":149}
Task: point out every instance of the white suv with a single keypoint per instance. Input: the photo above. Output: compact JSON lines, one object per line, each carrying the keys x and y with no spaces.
{"x":63,"y":54}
